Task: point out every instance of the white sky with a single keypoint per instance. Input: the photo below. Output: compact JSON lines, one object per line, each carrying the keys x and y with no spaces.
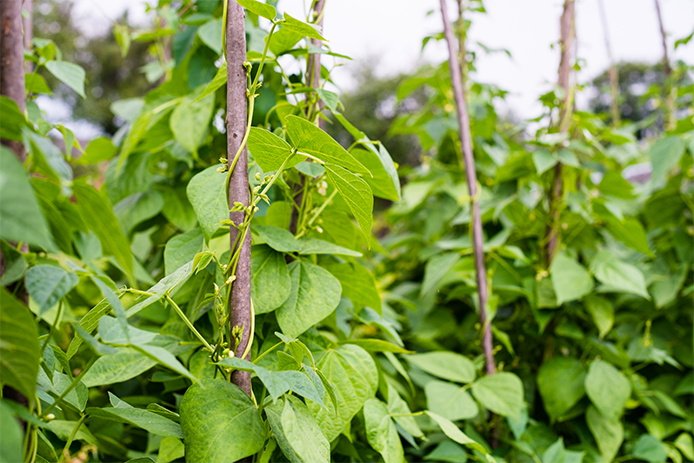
{"x":390,"y":32}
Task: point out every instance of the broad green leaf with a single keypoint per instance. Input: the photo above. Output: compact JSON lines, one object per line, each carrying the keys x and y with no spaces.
{"x":35,"y":83}
{"x":544,"y":160}
{"x":628,"y":230}
{"x":453,"y":432}
{"x":11,"y":449}
{"x":450,"y":401}
{"x":448,"y":451}
{"x":220,"y":423}
{"x":649,"y":448}
{"x":207,"y":194}
{"x":19,"y":349}
{"x":555,"y":453}
{"x":560,"y":382}
{"x":436,"y":268}
{"x":111,"y":332}
{"x":315,"y":293}
{"x":570,"y":279}
{"x":13,"y":121}
{"x":165,"y":285}
{"x":116,"y":368}
{"x":309,"y":246}
{"x":170,"y":449}
{"x":617,"y":275}
{"x":306,"y":30}
{"x":283,"y":40}
{"x":145,"y":419}
{"x":47,"y":158}
{"x":98,"y":150}
{"x":608,"y":433}
{"x":178,"y":210}
{"x":602,"y":312}
{"x":665,"y":154}
{"x":70,"y":74}
{"x":259,"y":8}
{"x":211,"y":35}
{"x":282,"y":240}
{"x":76,"y":397}
{"x":96,"y":212}
{"x":358,"y":284}
{"x":383,"y":184}
{"x":137,"y":208}
{"x":269,"y":150}
{"x":502,"y":393}
{"x":190,"y":120}
{"x":22,"y":219}
{"x":219,"y":80}
{"x":446,"y":365}
{"x":376,"y":345}
{"x":685,"y":444}
{"x":308,"y":138}
{"x":614,"y":184}
{"x":181,"y":249}
{"x":357,"y":194}
{"x":354,"y":377}
{"x":608,"y":389}
{"x":381,"y":432}
{"x":399,"y":410}
{"x":165,"y":358}
{"x":15,"y":265}
{"x":666,"y":290}
{"x":270,"y":281}
{"x":48,"y":284}
{"x":297,"y":432}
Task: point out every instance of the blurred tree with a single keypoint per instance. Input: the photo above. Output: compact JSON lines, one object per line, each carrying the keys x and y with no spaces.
{"x":110,"y":76}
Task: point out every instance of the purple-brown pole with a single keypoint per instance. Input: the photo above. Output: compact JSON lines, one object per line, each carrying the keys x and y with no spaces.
{"x":568,"y":33}
{"x":236,"y":120}
{"x":471,"y":176}
{"x":12,"y":62}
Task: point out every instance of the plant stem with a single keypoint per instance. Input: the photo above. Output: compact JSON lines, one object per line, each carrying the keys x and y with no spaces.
{"x":471,"y":176}
{"x":50,"y":332}
{"x":72,"y":437}
{"x":188,"y":323}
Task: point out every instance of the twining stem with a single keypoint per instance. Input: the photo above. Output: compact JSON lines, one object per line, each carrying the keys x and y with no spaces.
{"x":568,"y":34}
{"x":471,"y":176}
{"x":188,"y":323}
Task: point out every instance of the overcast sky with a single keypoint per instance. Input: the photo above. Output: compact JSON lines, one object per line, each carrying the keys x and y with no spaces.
{"x":390,"y":33}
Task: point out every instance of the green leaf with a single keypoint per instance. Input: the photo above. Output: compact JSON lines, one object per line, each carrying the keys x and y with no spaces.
{"x":602,"y":312}
{"x":207,"y":193}
{"x":555,"y":453}
{"x":137,"y":208}
{"x":170,"y":449}
{"x":608,"y":389}
{"x":446,"y":365}
{"x":501,"y":393}
{"x":96,"y":212}
{"x":453,"y":432}
{"x":15,"y":265}
{"x":283,"y":40}
{"x":181,"y":249}
{"x":376,"y":345}
{"x":70,"y":74}
{"x":13,"y":121}
{"x":381,"y":432}
{"x":48,"y":284}
{"x":665,"y":154}
{"x":685,"y":443}
{"x":116,"y":368}
{"x":149,"y":421}
{"x":98,"y":150}
{"x":270,"y":281}
{"x":282,"y":240}
{"x":397,"y":406}
{"x":450,"y":401}
{"x":259,"y":8}
{"x":35,"y":83}
{"x":269,"y":150}
{"x":220,"y":423}
{"x":436,"y":268}
{"x":165,"y":358}
{"x":617,"y":275}
{"x":308,"y":138}
{"x":178,"y":210}
{"x":46,"y":157}
{"x":627,"y":230}
{"x":22,"y":219}
{"x":649,"y":448}
{"x":570,"y":279}
{"x":384,"y":183}
{"x":560,"y":382}
{"x":357,"y":194}
{"x":309,"y":246}
{"x":111,"y":332}
{"x":11,"y":449}
{"x":354,"y":377}
{"x":544,"y":160}
{"x":666,"y":290}
{"x":297,"y":432}
{"x":305,"y":29}
{"x":190,"y":120}
{"x":211,"y":35}
{"x":19,"y":349}
{"x":358,"y":284}
{"x":608,"y":433}
{"x":164,"y":286}
{"x":448,"y":451}
{"x":315,"y":293}
{"x":219,"y":80}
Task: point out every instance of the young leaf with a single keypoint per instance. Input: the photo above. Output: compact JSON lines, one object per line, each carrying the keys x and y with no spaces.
{"x":22,"y":219}
{"x":314,"y":295}
{"x":306,"y":30}
{"x":48,"y":284}
{"x":70,"y":74}
{"x":381,"y":432}
{"x":232,"y":427}
{"x":19,"y":349}
{"x":308,"y":138}
{"x":357,"y":194}
{"x":259,"y":8}
{"x":269,"y":150}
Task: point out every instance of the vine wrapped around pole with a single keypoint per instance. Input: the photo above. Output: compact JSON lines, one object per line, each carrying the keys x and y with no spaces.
{"x":471,"y":176}
{"x":236,"y":120}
